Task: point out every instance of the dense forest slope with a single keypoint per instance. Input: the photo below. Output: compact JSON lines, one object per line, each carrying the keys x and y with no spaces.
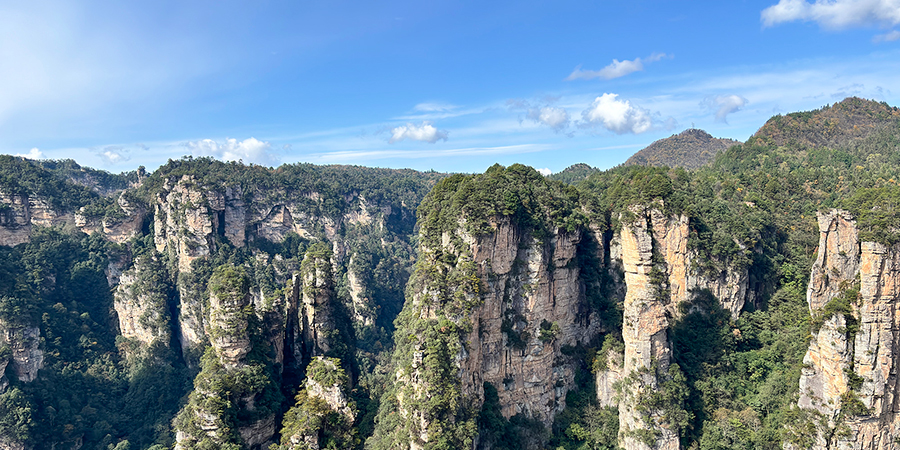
{"x":750,"y":303}
{"x":689,"y":149}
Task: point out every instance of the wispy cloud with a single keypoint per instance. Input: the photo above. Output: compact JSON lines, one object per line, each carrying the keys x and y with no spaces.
{"x":890,"y":36}
{"x":364,"y":155}
{"x":551,"y":116}
{"x":434,"y":107}
{"x":834,"y":14}
{"x":425,"y":132}
{"x":554,"y":117}
{"x":249,"y":150}
{"x":616,"y":69}
{"x":723,"y":105}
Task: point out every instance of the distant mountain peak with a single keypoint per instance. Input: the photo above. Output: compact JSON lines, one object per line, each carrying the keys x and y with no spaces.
{"x":833,"y":125}
{"x":689,"y":149}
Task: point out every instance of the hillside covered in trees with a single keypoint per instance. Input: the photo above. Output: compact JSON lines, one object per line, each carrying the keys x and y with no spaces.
{"x":689,"y":149}
{"x":742,"y":304}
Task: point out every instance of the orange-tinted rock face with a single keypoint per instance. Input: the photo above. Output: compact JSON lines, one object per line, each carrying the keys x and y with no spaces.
{"x":871,"y":354}
{"x":660,"y":274}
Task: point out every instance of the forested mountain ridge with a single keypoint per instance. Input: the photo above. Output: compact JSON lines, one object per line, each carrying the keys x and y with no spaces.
{"x":689,"y":149}
{"x":833,"y":125}
{"x":744,"y":304}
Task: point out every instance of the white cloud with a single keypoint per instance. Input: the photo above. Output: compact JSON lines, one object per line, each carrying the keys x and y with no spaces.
{"x":249,"y":150}
{"x":426,"y":132}
{"x":545,"y":172}
{"x":724,"y":105}
{"x":552,"y":116}
{"x":834,"y":14}
{"x":890,"y":36}
{"x":34,"y":153}
{"x":618,"y":116}
{"x":616,"y":69}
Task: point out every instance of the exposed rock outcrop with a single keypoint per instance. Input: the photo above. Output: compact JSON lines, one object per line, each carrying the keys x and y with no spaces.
{"x":318,"y":304}
{"x":23,"y":341}
{"x":850,"y":368}
{"x":19,"y":213}
{"x":225,"y":408}
{"x":229,"y":332}
{"x":660,"y":274}
{"x":118,"y":228}
{"x":141,"y":302}
{"x":323,"y":414}
{"x":533,"y":305}
{"x":647,"y":307}
{"x":501,"y":313}
{"x":606,"y":379}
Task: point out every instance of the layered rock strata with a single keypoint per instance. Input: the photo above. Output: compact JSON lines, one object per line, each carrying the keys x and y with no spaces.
{"x":118,"y":229}
{"x":222,"y":392}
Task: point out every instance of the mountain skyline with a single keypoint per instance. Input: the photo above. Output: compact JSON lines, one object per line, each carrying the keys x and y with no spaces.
{"x":454,"y":87}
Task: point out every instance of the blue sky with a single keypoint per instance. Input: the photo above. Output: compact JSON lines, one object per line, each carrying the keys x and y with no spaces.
{"x":449,"y":86}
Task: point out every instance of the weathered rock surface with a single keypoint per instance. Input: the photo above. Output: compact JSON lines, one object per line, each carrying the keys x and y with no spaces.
{"x":26,"y":357}
{"x":523,"y":290}
{"x":836,"y":356}
{"x":19,"y":213}
{"x":229,"y":334}
{"x":115,"y":229}
{"x":660,"y":274}
{"x":606,"y":379}
{"x":645,"y":325}
{"x":334,"y":395}
{"x":317,"y":307}
{"x":141,"y":302}
{"x":521,"y":300}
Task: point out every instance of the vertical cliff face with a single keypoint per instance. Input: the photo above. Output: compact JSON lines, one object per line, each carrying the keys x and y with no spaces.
{"x":533,"y":305}
{"x":850,"y":368}
{"x":141,"y":302}
{"x":318,"y":304}
{"x":501,"y":314}
{"x":660,"y":273}
{"x":648,"y":307}
{"x":119,"y":227}
{"x":23,"y":343}
{"x":498,"y":304}
{"x":192,"y":219}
